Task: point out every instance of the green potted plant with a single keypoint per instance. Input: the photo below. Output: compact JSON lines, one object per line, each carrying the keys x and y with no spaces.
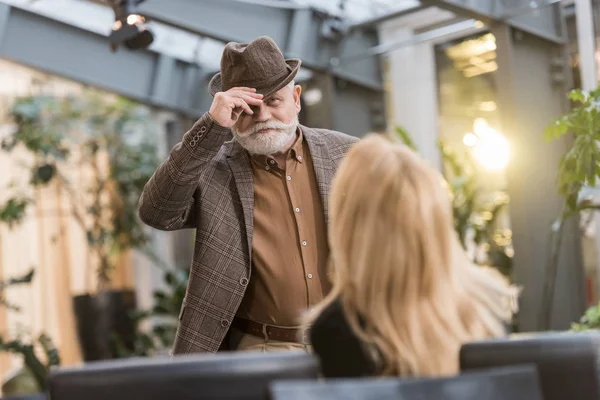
{"x":578,"y":173}
{"x":32,"y":377}
{"x":110,"y":139}
{"x":163,"y":318}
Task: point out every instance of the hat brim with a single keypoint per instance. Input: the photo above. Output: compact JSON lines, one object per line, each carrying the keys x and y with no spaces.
{"x":215,"y":85}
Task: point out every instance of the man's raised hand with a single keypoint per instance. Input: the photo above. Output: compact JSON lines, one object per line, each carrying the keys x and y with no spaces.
{"x":227,"y":106}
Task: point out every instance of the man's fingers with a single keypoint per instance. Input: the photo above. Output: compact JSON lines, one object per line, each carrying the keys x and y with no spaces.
{"x":255,"y":95}
{"x":240,"y":93}
{"x":239,"y":103}
{"x":243,"y":89}
{"x":236,"y":113}
{"x":252,"y":101}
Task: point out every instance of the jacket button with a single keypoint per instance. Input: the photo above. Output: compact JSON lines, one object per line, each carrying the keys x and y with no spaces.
{"x":224,"y":323}
{"x":243,"y":281}
{"x":203,"y":129}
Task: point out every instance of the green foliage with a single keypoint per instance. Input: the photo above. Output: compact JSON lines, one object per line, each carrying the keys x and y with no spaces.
{"x":405,"y":137}
{"x":25,"y":279}
{"x":63,"y":134}
{"x":589,"y":320}
{"x":164,"y":314}
{"x":580,"y":165}
{"x":475,"y":210}
{"x":578,"y":169}
{"x":13,"y":211}
{"x":27,"y":348}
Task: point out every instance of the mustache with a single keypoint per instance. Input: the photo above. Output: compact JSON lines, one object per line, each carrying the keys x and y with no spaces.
{"x":273,"y":125}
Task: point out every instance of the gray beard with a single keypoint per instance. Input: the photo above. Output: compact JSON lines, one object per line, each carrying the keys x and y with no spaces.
{"x":267,"y":143}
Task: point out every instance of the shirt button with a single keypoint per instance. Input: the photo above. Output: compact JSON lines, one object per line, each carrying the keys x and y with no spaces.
{"x":309,"y":276}
{"x":243,"y":281}
{"x":267,"y":168}
{"x":224,"y":323}
{"x":304,"y":243}
{"x":299,"y":158}
{"x":203,"y":129}
{"x":289,"y":178}
{"x":297,"y":209}
{"x":272,"y":162}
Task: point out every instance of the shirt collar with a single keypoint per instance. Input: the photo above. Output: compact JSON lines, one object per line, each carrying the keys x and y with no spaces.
{"x":296,"y":151}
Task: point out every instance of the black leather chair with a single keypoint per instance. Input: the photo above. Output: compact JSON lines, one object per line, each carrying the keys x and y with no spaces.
{"x":512,"y":383}
{"x":241,"y":375}
{"x":567,"y":362}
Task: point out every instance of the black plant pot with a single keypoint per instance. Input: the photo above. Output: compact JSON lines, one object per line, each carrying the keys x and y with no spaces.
{"x":102,"y":320}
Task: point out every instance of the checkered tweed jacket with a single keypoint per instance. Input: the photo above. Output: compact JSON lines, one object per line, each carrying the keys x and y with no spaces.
{"x":206,"y":183}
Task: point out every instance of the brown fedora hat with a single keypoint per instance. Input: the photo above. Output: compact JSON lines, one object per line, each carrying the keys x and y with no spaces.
{"x":258,"y":64}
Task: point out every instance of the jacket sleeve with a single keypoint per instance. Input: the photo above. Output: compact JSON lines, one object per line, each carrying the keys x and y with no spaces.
{"x":168,"y":199}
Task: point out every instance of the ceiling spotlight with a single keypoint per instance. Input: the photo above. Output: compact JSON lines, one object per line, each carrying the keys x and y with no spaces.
{"x":129,"y":29}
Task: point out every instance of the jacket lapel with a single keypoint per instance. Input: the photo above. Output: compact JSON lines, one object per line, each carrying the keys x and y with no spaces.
{"x":322,"y":164}
{"x":239,"y":163}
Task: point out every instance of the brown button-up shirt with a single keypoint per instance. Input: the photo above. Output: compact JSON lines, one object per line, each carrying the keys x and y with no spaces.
{"x":289,"y":245}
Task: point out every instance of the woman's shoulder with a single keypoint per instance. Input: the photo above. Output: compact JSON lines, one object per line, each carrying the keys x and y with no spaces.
{"x":340,"y":350}
{"x":331,"y":317}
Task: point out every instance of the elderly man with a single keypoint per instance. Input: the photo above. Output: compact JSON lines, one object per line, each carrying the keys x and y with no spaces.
{"x":258,"y":203}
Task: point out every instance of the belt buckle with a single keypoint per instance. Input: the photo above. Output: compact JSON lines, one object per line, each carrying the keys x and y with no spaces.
{"x":264,"y":332}
{"x":305,"y":337}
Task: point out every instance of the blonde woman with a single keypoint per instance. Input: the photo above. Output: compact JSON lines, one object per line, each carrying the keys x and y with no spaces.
{"x":404,"y":296}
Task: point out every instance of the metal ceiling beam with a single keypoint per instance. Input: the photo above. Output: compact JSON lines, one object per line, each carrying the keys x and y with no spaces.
{"x":371,"y":22}
{"x":84,"y":56}
{"x":470,"y":26}
{"x":539,"y":17}
{"x":299,"y":31}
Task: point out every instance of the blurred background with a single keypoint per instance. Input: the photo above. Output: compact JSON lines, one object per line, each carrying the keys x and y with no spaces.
{"x":93,"y":94}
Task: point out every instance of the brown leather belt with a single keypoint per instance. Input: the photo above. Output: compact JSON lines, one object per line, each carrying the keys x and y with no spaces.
{"x":269,"y":331}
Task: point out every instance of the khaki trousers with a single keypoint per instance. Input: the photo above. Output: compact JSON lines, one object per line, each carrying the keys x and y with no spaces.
{"x":241,"y":341}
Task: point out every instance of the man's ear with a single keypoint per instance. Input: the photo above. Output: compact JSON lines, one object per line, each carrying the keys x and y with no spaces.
{"x":297,"y":93}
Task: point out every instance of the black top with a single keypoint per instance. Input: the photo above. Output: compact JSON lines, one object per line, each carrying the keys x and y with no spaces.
{"x":340,"y":351}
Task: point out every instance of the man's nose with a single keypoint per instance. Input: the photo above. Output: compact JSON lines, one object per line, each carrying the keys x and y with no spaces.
{"x":261,"y":113}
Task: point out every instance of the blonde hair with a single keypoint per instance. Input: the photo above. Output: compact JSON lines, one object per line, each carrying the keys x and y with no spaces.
{"x":398,"y":268}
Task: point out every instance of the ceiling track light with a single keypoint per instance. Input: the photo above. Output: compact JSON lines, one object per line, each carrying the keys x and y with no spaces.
{"x":130,"y":29}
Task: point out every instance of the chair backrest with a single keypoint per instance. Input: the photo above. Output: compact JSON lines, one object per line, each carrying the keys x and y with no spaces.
{"x":567,"y":362}
{"x":34,"y":396}
{"x":514,"y":383}
{"x":237,"y":375}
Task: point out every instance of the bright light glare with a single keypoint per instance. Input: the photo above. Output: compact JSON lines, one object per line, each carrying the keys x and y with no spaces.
{"x":470,"y":140}
{"x":134,"y":19}
{"x":313,"y":96}
{"x":492,"y":149}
